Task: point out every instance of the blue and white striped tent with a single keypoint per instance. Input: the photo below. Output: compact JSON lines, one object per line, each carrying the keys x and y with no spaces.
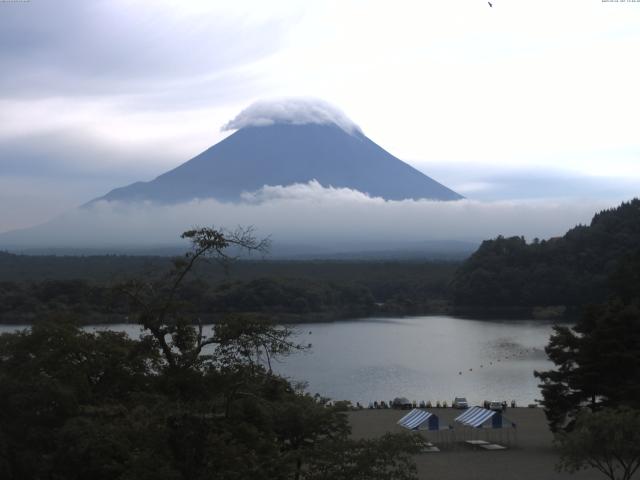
{"x":477,"y":417}
{"x":418,"y":419}
{"x":488,"y":424}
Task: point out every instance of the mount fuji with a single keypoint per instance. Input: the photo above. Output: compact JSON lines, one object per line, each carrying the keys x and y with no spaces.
{"x":304,"y":141}
{"x":296,"y":169}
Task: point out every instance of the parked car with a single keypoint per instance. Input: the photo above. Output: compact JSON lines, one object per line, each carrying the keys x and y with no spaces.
{"x":403,"y":403}
{"x":460,"y":402}
{"x":496,"y":406}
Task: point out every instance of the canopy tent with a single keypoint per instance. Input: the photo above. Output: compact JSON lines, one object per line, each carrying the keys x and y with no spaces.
{"x":478,"y":418}
{"x":418,"y":419}
{"x":426,"y":422}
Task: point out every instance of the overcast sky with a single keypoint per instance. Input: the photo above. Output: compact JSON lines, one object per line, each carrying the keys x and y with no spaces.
{"x":530,"y":99}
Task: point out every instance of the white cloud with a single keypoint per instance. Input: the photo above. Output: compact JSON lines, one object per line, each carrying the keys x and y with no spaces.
{"x":290,"y":110}
{"x":545,"y":84}
{"x":313,"y":215}
{"x":312,"y":191}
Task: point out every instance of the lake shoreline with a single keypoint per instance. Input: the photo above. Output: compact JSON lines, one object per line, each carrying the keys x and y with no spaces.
{"x":514,"y":313}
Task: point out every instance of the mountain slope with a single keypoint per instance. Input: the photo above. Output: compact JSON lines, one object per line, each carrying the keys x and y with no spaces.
{"x":285,"y":154}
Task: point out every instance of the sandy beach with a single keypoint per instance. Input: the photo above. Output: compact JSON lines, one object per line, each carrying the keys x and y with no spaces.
{"x":531,"y":457}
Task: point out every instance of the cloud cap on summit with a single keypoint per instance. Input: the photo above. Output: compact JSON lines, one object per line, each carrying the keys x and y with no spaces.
{"x":292,"y":111}
{"x":283,"y":142}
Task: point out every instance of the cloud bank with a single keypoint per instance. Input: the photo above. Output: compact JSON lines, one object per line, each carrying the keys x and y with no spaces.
{"x":310,"y":214}
{"x":292,"y":111}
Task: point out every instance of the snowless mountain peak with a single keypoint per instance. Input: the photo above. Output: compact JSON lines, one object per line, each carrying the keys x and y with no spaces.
{"x":283,"y":143}
{"x":292,"y":111}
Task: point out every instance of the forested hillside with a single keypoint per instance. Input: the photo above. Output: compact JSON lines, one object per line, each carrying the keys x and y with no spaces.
{"x":505,"y":275}
{"x":570,"y":271}
{"x":31,"y":288}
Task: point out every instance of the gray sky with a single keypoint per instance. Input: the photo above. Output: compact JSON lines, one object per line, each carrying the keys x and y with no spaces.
{"x":530,"y":99}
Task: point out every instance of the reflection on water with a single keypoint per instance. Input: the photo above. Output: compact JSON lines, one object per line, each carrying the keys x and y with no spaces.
{"x":422,"y":358}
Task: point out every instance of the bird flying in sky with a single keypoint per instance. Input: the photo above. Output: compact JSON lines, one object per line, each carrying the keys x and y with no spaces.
{"x":490,"y":4}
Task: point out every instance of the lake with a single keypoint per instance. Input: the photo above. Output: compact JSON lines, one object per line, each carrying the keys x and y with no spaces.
{"x":421,"y":358}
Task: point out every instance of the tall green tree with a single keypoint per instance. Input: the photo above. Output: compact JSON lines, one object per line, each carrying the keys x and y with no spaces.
{"x":608,"y":440}
{"x":598,"y":360}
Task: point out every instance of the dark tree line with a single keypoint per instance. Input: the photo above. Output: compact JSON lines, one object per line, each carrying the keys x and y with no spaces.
{"x":572,"y":270}
{"x":31,"y":302}
{"x":346,"y":291}
{"x":101,"y":269}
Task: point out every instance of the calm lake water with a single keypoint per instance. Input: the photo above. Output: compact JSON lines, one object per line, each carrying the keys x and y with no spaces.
{"x":421,"y":358}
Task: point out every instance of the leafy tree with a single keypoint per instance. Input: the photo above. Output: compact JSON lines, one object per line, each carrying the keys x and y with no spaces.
{"x":158,"y":306}
{"x":56,"y":373}
{"x":175,"y":404}
{"x":608,"y":440}
{"x":598,"y":360}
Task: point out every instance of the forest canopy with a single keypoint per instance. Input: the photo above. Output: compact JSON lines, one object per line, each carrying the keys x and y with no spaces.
{"x":572,"y":270}
{"x":177,"y":403}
